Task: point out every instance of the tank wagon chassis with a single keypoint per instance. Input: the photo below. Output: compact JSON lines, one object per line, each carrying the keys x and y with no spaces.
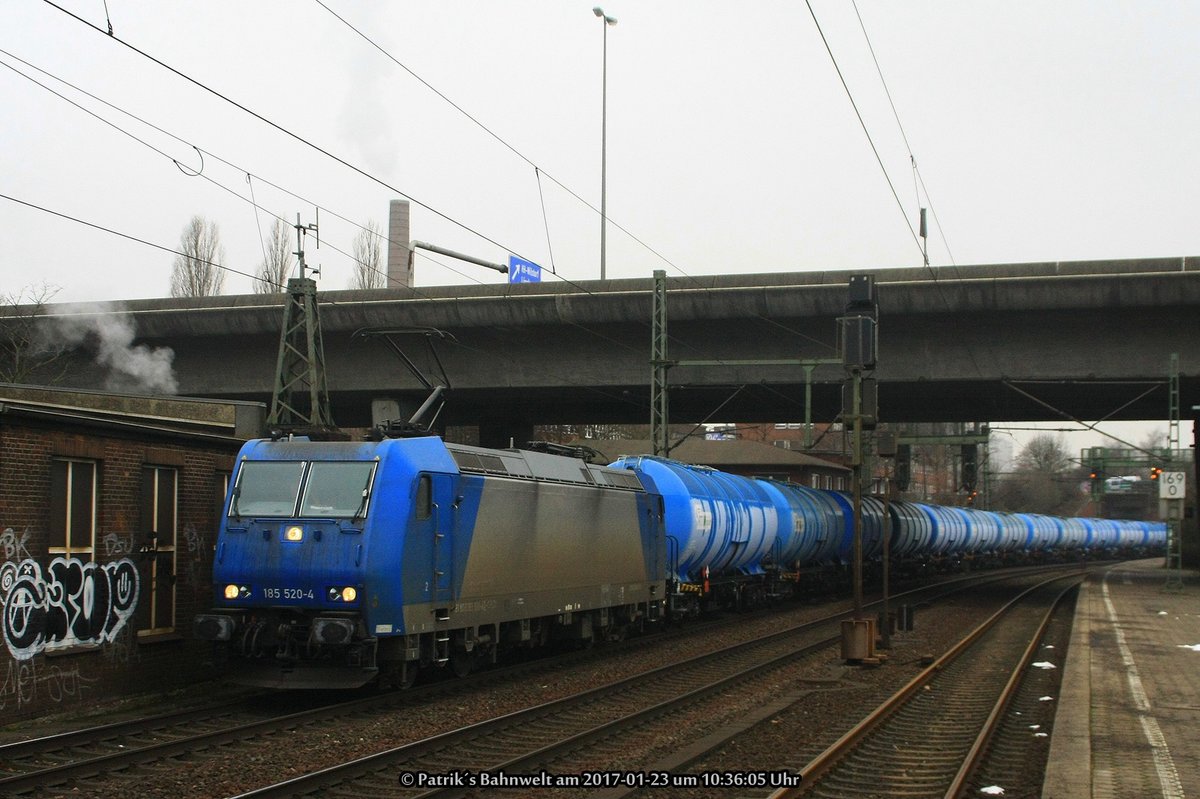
{"x":338,"y":563}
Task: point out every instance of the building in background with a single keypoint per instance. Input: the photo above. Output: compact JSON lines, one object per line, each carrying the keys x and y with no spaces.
{"x":108,"y":515}
{"x":747,"y":458}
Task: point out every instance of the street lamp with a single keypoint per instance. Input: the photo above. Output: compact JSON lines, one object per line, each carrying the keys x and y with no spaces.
{"x":598,"y":11}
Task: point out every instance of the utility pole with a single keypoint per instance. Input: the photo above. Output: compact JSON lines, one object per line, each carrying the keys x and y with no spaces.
{"x":859,"y":343}
{"x":1173,"y":485}
{"x":659,"y":364}
{"x":885,"y":445}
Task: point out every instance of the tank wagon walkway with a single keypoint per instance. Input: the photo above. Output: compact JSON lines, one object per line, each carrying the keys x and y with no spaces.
{"x":1130,"y":707}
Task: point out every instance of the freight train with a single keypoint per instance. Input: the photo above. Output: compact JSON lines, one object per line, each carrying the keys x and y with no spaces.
{"x":338,"y":563}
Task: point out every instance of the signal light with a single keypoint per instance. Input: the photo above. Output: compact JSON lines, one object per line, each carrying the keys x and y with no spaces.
{"x":1155,"y":472}
{"x":970,"y":460}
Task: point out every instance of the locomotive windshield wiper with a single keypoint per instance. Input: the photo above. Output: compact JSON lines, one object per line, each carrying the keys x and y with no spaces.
{"x":362,"y":506}
{"x":233,"y":507}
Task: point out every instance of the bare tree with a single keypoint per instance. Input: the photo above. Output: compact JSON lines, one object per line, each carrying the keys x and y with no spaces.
{"x":274,"y":270}
{"x":368,"y":259}
{"x":1045,"y":480}
{"x":25,"y":352}
{"x":1046,"y":454}
{"x":197,"y":272}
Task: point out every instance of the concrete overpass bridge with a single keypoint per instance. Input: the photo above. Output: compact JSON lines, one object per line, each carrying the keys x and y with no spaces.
{"x":999,"y":342}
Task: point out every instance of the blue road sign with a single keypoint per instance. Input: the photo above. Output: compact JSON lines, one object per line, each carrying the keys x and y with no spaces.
{"x":522,"y":271}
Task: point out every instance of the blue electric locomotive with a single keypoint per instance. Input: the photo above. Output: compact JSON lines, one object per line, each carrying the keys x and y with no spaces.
{"x":337,"y":563}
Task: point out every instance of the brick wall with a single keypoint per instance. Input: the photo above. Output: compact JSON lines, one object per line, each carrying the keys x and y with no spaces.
{"x":52,"y":656}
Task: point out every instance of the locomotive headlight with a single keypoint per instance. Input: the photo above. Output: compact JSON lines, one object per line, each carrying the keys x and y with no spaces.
{"x":339,"y":593}
{"x":294,"y":534}
{"x":232,"y":591}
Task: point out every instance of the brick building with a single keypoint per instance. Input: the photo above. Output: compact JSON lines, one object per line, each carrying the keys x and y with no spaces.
{"x":108,"y":514}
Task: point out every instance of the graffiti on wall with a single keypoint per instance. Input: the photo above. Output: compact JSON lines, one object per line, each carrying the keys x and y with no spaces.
{"x":117,"y":544}
{"x":12,"y":544}
{"x":192,"y":568}
{"x":73,"y":602}
{"x":23,"y":683}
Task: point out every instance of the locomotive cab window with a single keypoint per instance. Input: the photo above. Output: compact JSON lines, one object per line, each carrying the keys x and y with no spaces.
{"x":267,"y":488}
{"x":338,"y":489}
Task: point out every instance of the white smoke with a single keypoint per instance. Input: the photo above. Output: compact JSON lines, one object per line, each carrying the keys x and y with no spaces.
{"x":109,"y":332}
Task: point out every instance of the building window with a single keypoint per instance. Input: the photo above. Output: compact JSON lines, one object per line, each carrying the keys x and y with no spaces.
{"x":159,"y":538}
{"x":73,"y":514}
{"x":815,"y":481}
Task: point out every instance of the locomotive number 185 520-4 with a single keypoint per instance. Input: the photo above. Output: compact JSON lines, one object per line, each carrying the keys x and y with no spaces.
{"x":287,"y":593}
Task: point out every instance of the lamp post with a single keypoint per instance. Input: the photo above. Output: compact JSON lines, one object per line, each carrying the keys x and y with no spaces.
{"x":598,"y":11}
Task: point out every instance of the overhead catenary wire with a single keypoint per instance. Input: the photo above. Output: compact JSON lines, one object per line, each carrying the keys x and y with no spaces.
{"x":496,"y":136}
{"x":574,"y":283}
{"x":196,"y":173}
{"x":937,"y":285}
{"x":297,"y":137}
{"x":862,"y":123}
{"x":545,"y":220}
{"x":281,"y":129}
{"x":904,"y":135}
{"x":218,"y":184}
{"x":138,"y":240}
{"x":366,"y":174}
{"x":540,"y":171}
{"x":129,"y":237}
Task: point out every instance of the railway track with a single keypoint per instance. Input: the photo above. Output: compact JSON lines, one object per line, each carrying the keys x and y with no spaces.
{"x":929,"y":739}
{"x":58,"y":759}
{"x":523,"y":744}
{"x":61,"y":759}
{"x":523,"y":740}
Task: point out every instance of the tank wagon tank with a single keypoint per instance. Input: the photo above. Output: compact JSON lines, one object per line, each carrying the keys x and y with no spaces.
{"x":338,"y":563}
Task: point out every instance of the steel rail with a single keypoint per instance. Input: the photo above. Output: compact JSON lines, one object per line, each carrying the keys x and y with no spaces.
{"x":828,"y":759}
{"x":975,"y":754}
{"x":391,"y":758}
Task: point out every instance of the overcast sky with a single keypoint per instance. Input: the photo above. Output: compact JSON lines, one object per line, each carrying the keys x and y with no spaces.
{"x":1043,"y":131}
